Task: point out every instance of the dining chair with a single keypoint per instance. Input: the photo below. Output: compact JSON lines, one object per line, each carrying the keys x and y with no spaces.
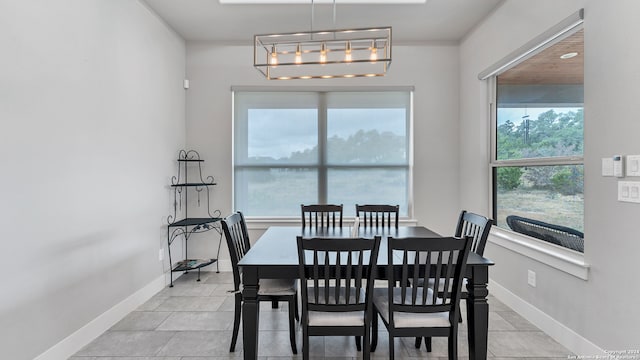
{"x":321,"y":215}
{"x":378,"y":215}
{"x":477,"y":227}
{"x":337,"y":277}
{"x":273,"y":290}
{"x":411,"y":310}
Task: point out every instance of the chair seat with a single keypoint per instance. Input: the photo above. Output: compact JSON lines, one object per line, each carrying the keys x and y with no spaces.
{"x":277,"y":287}
{"x":325,"y":318}
{"x":405,"y":319}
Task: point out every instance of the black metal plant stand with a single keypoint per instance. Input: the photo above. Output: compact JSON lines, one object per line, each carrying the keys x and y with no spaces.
{"x":187,"y":226}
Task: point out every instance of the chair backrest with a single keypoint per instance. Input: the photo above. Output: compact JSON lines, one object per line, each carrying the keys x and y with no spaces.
{"x":235,"y":231}
{"x":378,"y":215}
{"x":476,"y":226}
{"x":321,"y":215}
{"x":442,"y":259}
{"x":334,"y":271}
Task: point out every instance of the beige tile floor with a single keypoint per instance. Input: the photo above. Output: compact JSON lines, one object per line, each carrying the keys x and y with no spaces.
{"x":193,"y":321}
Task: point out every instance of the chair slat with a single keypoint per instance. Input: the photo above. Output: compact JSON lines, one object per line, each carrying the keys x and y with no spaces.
{"x":360,"y":274}
{"x":416,"y":276}
{"x":347,"y":277}
{"x":327,"y":276}
{"x":449,"y":272}
{"x":438,"y":272}
{"x":338,"y":277}
{"x":316,"y":276}
{"x":427,"y":271}
{"x":404,"y":279}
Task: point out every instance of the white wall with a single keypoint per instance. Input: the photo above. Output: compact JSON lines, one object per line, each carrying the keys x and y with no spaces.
{"x":603,"y":309}
{"x":432,"y":69}
{"x":92,"y":112}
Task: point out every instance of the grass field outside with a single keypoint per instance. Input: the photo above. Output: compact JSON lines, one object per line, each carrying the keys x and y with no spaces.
{"x":543,"y":205}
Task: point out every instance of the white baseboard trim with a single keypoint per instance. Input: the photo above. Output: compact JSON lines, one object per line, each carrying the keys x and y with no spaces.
{"x":83,"y":336}
{"x":558,"y":331}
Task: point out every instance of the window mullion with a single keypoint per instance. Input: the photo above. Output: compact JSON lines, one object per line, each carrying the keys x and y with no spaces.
{"x":322,"y":148}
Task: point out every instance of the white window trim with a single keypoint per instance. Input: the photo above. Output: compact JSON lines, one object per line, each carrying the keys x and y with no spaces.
{"x":558,"y":257}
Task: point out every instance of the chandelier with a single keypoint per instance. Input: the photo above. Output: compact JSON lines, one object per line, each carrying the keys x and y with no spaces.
{"x":323,"y":54}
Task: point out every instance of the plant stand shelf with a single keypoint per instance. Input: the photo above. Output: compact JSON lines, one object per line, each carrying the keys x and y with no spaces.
{"x":187,"y":226}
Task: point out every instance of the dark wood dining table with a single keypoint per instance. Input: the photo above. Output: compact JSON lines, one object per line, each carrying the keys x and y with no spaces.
{"x":275,"y":256}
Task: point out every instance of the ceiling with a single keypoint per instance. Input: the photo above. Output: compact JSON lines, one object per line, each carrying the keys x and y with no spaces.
{"x":547,"y":67}
{"x":435,"y":21}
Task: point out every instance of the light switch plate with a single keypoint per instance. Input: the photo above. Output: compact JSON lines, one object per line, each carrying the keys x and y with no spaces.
{"x":633,"y":165}
{"x":607,"y":166}
{"x":629,"y":191}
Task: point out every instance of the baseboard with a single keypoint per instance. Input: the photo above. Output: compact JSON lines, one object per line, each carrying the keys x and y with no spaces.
{"x":83,"y":336}
{"x":558,"y":331}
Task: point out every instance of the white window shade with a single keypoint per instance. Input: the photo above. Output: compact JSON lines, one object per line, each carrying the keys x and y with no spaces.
{"x":342,"y":147}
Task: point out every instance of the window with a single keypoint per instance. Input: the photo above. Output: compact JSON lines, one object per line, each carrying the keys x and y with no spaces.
{"x":537,"y":141}
{"x":338,"y":147}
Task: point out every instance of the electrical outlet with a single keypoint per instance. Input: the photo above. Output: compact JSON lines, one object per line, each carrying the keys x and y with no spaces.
{"x":531,"y":278}
{"x":161,"y":255}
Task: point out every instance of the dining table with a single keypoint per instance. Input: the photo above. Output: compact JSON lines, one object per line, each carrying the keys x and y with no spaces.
{"x":275,"y":256}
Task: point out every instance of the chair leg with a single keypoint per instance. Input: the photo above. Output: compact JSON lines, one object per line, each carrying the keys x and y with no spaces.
{"x":391,"y":350}
{"x":453,"y":345}
{"x":274,"y":304}
{"x":366,"y":354}
{"x":418,"y":342}
{"x":374,"y":335}
{"x":305,"y":343}
{"x":236,"y":322}
{"x":358,"y":343}
{"x":427,"y":343}
{"x":296,"y":306}
{"x":292,"y":324}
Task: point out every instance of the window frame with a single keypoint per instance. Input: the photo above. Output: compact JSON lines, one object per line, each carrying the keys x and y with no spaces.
{"x":495,"y":164}
{"x":323,"y":166}
{"x":560,"y":258}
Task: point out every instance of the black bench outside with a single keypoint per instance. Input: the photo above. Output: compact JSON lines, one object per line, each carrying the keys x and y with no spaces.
{"x":555,"y":234}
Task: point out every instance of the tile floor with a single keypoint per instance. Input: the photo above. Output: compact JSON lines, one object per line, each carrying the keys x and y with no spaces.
{"x":193,"y":321}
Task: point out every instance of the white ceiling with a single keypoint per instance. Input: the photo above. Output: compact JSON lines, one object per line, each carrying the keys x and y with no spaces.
{"x":435,"y":21}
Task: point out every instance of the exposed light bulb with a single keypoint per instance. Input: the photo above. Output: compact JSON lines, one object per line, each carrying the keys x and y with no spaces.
{"x":323,"y":53}
{"x":347,"y":52}
{"x":274,"y":56}
{"x":374,"y":52}
{"x":298,"y":59}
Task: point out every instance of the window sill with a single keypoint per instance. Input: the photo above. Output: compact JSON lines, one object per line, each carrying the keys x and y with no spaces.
{"x":560,"y":258}
{"x":263,"y":223}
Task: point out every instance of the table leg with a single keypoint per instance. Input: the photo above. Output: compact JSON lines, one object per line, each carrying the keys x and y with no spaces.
{"x":478,"y":312}
{"x":250,"y":312}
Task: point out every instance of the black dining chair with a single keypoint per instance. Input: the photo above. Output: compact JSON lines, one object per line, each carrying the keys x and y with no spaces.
{"x":378,"y":215}
{"x":411,"y":310}
{"x":321,"y":215}
{"x":272,"y":290}
{"x":337,"y":302}
{"x":477,"y":227}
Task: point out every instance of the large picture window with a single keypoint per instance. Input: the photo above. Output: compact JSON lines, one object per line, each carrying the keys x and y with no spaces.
{"x":337,"y":147}
{"x":537,"y":143}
